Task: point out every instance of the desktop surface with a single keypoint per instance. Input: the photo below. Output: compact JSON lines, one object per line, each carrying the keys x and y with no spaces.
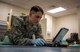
{"x":12,"y":48}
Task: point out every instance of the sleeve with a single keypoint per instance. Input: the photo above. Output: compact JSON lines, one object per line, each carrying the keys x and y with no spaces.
{"x":38,"y":33}
{"x":16,"y":33}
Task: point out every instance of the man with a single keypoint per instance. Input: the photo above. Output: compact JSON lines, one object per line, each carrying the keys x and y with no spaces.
{"x":23,"y":28}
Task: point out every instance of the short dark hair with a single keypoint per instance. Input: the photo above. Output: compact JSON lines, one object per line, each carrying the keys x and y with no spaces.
{"x":37,"y":9}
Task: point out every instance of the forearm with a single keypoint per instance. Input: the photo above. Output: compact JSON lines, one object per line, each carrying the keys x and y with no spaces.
{"x":38,"y":36}
{"x":17,"y":37}
{"x":22,"y":41}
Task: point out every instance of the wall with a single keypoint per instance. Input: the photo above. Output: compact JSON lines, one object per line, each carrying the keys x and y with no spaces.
{"x":78,"y":15}
{"x":70,"y":22}
{"x":5,"y":9}
{"x":50,"y":26}
{"x":44,"y":28}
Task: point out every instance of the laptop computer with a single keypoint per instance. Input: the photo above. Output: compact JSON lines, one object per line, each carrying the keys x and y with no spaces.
{"x":56,"y":40}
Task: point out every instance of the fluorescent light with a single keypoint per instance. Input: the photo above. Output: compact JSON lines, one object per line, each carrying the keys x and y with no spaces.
{"x":56,"y":10}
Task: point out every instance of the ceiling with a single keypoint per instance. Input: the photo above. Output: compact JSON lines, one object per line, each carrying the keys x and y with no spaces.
{"x":70,"y":5}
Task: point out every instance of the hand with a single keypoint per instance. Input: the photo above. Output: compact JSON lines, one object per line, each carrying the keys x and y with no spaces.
{"x":38,"y":42}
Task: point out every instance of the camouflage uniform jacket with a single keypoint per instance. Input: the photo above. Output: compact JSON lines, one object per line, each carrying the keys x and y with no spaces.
{"x":21,"y":31}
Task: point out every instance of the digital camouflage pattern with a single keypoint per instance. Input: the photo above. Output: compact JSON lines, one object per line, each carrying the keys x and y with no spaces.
{"x":21,"y":31}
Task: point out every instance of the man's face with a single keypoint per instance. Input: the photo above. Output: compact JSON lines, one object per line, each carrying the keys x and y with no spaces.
{"x":35,"y":17}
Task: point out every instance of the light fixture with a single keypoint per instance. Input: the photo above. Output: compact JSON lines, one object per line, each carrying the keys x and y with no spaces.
{"x":56,"y":10}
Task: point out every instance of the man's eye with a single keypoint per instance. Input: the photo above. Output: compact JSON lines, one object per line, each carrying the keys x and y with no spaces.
{"x":38,"y":17}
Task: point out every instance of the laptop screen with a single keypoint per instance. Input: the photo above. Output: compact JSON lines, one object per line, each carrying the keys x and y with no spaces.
{"x":62,"y":32}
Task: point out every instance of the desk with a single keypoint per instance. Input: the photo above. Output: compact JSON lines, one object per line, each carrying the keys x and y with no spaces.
{"x":37,"y":49}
